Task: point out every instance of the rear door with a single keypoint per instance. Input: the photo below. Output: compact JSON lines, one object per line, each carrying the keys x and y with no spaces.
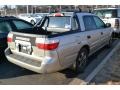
{"x":91,"y":34}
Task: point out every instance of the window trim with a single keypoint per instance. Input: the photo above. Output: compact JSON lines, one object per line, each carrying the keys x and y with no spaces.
{"x":19,"y":20}
{"x":48,"y":18}
{"x":101,"y":21}
{"x":9,"y":25}
{"x":78,"y":22}
{"x":84,"y":22}
{"x":74,"y":18}
{"x":95,"y":23}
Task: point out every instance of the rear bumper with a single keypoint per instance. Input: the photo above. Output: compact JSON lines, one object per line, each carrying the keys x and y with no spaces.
{"x":46,"y":65}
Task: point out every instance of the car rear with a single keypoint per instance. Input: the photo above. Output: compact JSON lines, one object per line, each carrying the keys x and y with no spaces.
{"x":28,"y":51}
{"x":34,"y":50}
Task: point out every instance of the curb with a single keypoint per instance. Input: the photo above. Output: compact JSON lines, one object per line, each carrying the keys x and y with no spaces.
{"x":77,"y":81}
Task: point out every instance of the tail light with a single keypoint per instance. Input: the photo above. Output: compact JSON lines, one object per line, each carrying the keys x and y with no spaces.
{"x":10,"y":37}
{"x":47,"y":44}
{"x":58,"y":14}
{"x":117,"y":23}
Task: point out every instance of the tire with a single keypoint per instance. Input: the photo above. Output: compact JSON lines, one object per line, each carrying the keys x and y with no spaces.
{"x":113,"y":35}
{"x":33,"y":22}
{"x":2,"y":55}
{"x":110,"y":42}
{"x":81,"y":61}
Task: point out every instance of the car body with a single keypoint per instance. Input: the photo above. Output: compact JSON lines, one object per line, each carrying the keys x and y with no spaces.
{"x":110,"y":15}
{"x":7,"y":24}
{"x":32,"y":18}
{"x":57,"y":42}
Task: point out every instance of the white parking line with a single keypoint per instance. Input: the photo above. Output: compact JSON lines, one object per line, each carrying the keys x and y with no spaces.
{"x":96,"y":70}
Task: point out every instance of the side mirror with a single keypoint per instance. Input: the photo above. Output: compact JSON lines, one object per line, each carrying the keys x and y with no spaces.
{"x":107,"y":25}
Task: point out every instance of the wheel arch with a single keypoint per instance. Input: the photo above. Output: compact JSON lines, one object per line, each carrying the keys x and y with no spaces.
{"x":87,"y":47}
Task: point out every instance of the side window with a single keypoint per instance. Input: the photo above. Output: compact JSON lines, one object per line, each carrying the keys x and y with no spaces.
{"x":89,"y":23}
{"x":99,"y":23}
{"x":74,"y":24}
{"x":5,"y":27}
{"x":21,"y":24}
{"x":118,"y":13}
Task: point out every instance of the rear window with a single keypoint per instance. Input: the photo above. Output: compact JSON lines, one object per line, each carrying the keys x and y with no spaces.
{"x":21,"y":25}
{"x":103,"y":13}
{"x":5,"y":27}
{"x":58,"y":22}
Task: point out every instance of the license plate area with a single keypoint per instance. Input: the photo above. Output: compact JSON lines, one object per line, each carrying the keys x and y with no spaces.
{"x":23,"y":46}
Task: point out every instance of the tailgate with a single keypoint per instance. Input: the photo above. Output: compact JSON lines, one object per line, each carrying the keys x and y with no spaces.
{"x":26,"y":44}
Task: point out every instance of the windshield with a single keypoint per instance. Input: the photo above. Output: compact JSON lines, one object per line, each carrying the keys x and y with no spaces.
{"x":104,"y":13}
{"x":57,"y":22}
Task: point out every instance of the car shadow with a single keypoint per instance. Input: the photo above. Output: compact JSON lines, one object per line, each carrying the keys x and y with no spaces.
{"x":71,"y":73}
{"x":9,"y":70}
{"x":91,"y":64}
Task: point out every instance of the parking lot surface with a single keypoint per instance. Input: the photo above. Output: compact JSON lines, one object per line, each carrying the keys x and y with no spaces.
{"x":12,"y":74}
{"x":110,"y":73}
